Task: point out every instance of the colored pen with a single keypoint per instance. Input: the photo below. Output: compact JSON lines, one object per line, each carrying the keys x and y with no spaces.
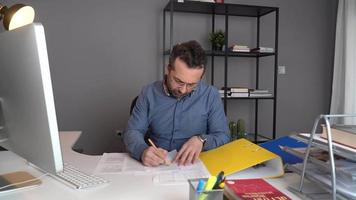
{"x":222,"y":185}
{"x":200,"y":186}
{"x":219,"y":178}
{"x":166,"y":162}
{"x":208,"y":186}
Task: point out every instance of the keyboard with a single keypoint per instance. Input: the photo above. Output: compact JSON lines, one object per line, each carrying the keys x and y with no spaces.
{"x":78,"y":179}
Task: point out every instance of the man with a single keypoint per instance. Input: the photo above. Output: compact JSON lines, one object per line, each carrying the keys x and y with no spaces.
{"x":181,"y":112}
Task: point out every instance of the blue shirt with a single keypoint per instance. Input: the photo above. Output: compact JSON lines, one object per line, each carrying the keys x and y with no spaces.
{"x":173,"y":121}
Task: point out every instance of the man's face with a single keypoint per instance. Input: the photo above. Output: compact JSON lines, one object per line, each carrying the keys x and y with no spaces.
{"x":182,"y":80}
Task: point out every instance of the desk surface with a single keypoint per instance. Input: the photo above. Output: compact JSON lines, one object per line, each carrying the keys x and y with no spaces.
{"x":122,"y":186}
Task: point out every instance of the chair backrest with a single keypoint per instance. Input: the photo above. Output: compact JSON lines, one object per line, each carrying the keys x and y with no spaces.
{"x":133,"y":103}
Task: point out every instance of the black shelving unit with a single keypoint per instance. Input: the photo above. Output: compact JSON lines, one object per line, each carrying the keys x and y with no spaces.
{"x":227,"y":10}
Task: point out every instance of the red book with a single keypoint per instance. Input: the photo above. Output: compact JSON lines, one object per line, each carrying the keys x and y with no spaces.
{"x":252,"y":189}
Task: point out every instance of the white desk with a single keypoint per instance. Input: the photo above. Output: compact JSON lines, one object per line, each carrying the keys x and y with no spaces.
{"x":126,"y":187}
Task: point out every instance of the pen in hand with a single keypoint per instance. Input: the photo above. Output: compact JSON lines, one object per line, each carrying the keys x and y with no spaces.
{"x":166,"y":162}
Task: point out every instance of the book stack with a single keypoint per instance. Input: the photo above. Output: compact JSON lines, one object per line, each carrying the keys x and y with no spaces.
{"x":235,"y":92}
{"x":239,"y":92}
{"x":239,"y":48}
{"x":260,"y":93}
{"x":221,"y":91}
{"x":263,"y":50}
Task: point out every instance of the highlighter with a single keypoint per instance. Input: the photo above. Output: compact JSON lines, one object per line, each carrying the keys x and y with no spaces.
{"x":200,"y":186}
{"x":219,"y":179}
{"x":208,"y":186}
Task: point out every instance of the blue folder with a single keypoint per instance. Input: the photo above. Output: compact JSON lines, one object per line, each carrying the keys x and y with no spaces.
{"x":274,"y":146}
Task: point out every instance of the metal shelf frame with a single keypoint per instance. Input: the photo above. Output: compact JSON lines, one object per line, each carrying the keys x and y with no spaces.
{"x":227,"y":10}
{"x":326,"y":119}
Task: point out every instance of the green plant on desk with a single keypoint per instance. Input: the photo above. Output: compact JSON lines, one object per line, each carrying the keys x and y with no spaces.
{"x":241,"y":128}
{"x":233,"y":130}
{"x":237,"y":129}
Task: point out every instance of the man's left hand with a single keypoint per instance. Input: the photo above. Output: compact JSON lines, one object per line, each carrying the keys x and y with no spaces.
{"x":189,"y":153}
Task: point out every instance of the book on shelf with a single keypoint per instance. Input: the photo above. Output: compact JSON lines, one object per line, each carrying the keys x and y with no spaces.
{"x":252,"y":189}
{"x":239,"y":48}
{"x":261,"y":95}
{"x":239,"y":94}
{"x":236,"y":89}
{"x":239,"y":89}
{"x":263,"y":50}
{"x":342,"y":134}
{"x":259,"y":91}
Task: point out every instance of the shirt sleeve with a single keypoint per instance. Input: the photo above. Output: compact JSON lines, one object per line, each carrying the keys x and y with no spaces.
{"x":137,"y":127}
{"x":218,"y":131}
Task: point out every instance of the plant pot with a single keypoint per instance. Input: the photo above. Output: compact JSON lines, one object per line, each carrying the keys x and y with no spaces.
{"x":217,"y":48}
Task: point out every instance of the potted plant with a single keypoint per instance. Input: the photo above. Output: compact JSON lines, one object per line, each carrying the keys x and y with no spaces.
{"x":217,"y":39}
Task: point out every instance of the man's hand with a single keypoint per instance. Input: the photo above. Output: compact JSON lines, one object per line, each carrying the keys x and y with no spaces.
{"x":152,"y":157}
{"x":189,"y":153}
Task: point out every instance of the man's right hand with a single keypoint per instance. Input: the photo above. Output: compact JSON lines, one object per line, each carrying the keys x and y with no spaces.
{"x":152,"y":157}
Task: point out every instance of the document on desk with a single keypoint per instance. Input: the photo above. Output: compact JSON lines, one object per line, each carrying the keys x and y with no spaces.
{"x":181,"y":174}
{"x":114,"y":163}
{"x":110,"y":163}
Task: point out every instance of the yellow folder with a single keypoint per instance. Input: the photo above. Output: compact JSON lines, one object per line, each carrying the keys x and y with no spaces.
{"x":239,"y":156}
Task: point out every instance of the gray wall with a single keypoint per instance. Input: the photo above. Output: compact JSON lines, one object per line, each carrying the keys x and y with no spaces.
{"x":102,"y":53}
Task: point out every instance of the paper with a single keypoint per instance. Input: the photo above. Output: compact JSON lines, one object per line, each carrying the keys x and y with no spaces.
{"x":110,"y":163}
{"x":170,"y":156}
{"x":181,"y":174}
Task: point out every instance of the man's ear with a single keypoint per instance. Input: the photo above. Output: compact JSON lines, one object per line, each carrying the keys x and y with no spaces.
{"x":204,"y":69}
{"x":167,"y":69}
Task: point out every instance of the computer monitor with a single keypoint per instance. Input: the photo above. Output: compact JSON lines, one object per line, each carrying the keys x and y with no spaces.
{"x":27,"y":112}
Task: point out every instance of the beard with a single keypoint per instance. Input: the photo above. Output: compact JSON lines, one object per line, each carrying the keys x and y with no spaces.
{"x":174,"y":91}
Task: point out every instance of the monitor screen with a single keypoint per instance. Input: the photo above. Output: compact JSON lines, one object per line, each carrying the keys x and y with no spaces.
{"x":26,"y":97}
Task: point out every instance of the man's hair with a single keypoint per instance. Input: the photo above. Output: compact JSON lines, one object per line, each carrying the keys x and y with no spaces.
{"x":191,"y":53}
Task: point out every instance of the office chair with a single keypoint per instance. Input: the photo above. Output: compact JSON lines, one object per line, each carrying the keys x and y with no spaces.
{"x":133,"y":103}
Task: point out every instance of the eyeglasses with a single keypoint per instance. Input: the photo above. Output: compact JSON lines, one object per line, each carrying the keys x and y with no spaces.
{"x":181,"y":84}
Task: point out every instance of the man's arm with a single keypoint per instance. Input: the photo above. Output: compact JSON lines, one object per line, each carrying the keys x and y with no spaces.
{"x":218,"y":130}
{"x":217,"y":134}
{"x":137,"y":127}
{"x":135,"y":134}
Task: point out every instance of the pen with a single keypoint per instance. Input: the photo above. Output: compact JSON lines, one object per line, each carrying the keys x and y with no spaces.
{"x":208,"y":186}
{"x":200,"y":186}
{"x":166,"y":162}
{"x":219,"y":179}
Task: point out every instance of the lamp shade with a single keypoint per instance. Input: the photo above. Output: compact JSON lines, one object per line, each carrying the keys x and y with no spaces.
{"x":17,"y":15}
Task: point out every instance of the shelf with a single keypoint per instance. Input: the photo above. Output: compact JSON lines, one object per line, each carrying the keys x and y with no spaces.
{"x":232,"y":54}
{"x":324,"y":182}
{"x":219,"y":9}
{"x":226,"y":10}
{"x":322,"y":144}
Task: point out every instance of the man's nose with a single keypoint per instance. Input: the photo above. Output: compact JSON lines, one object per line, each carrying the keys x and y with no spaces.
{"x":183,"y":89}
